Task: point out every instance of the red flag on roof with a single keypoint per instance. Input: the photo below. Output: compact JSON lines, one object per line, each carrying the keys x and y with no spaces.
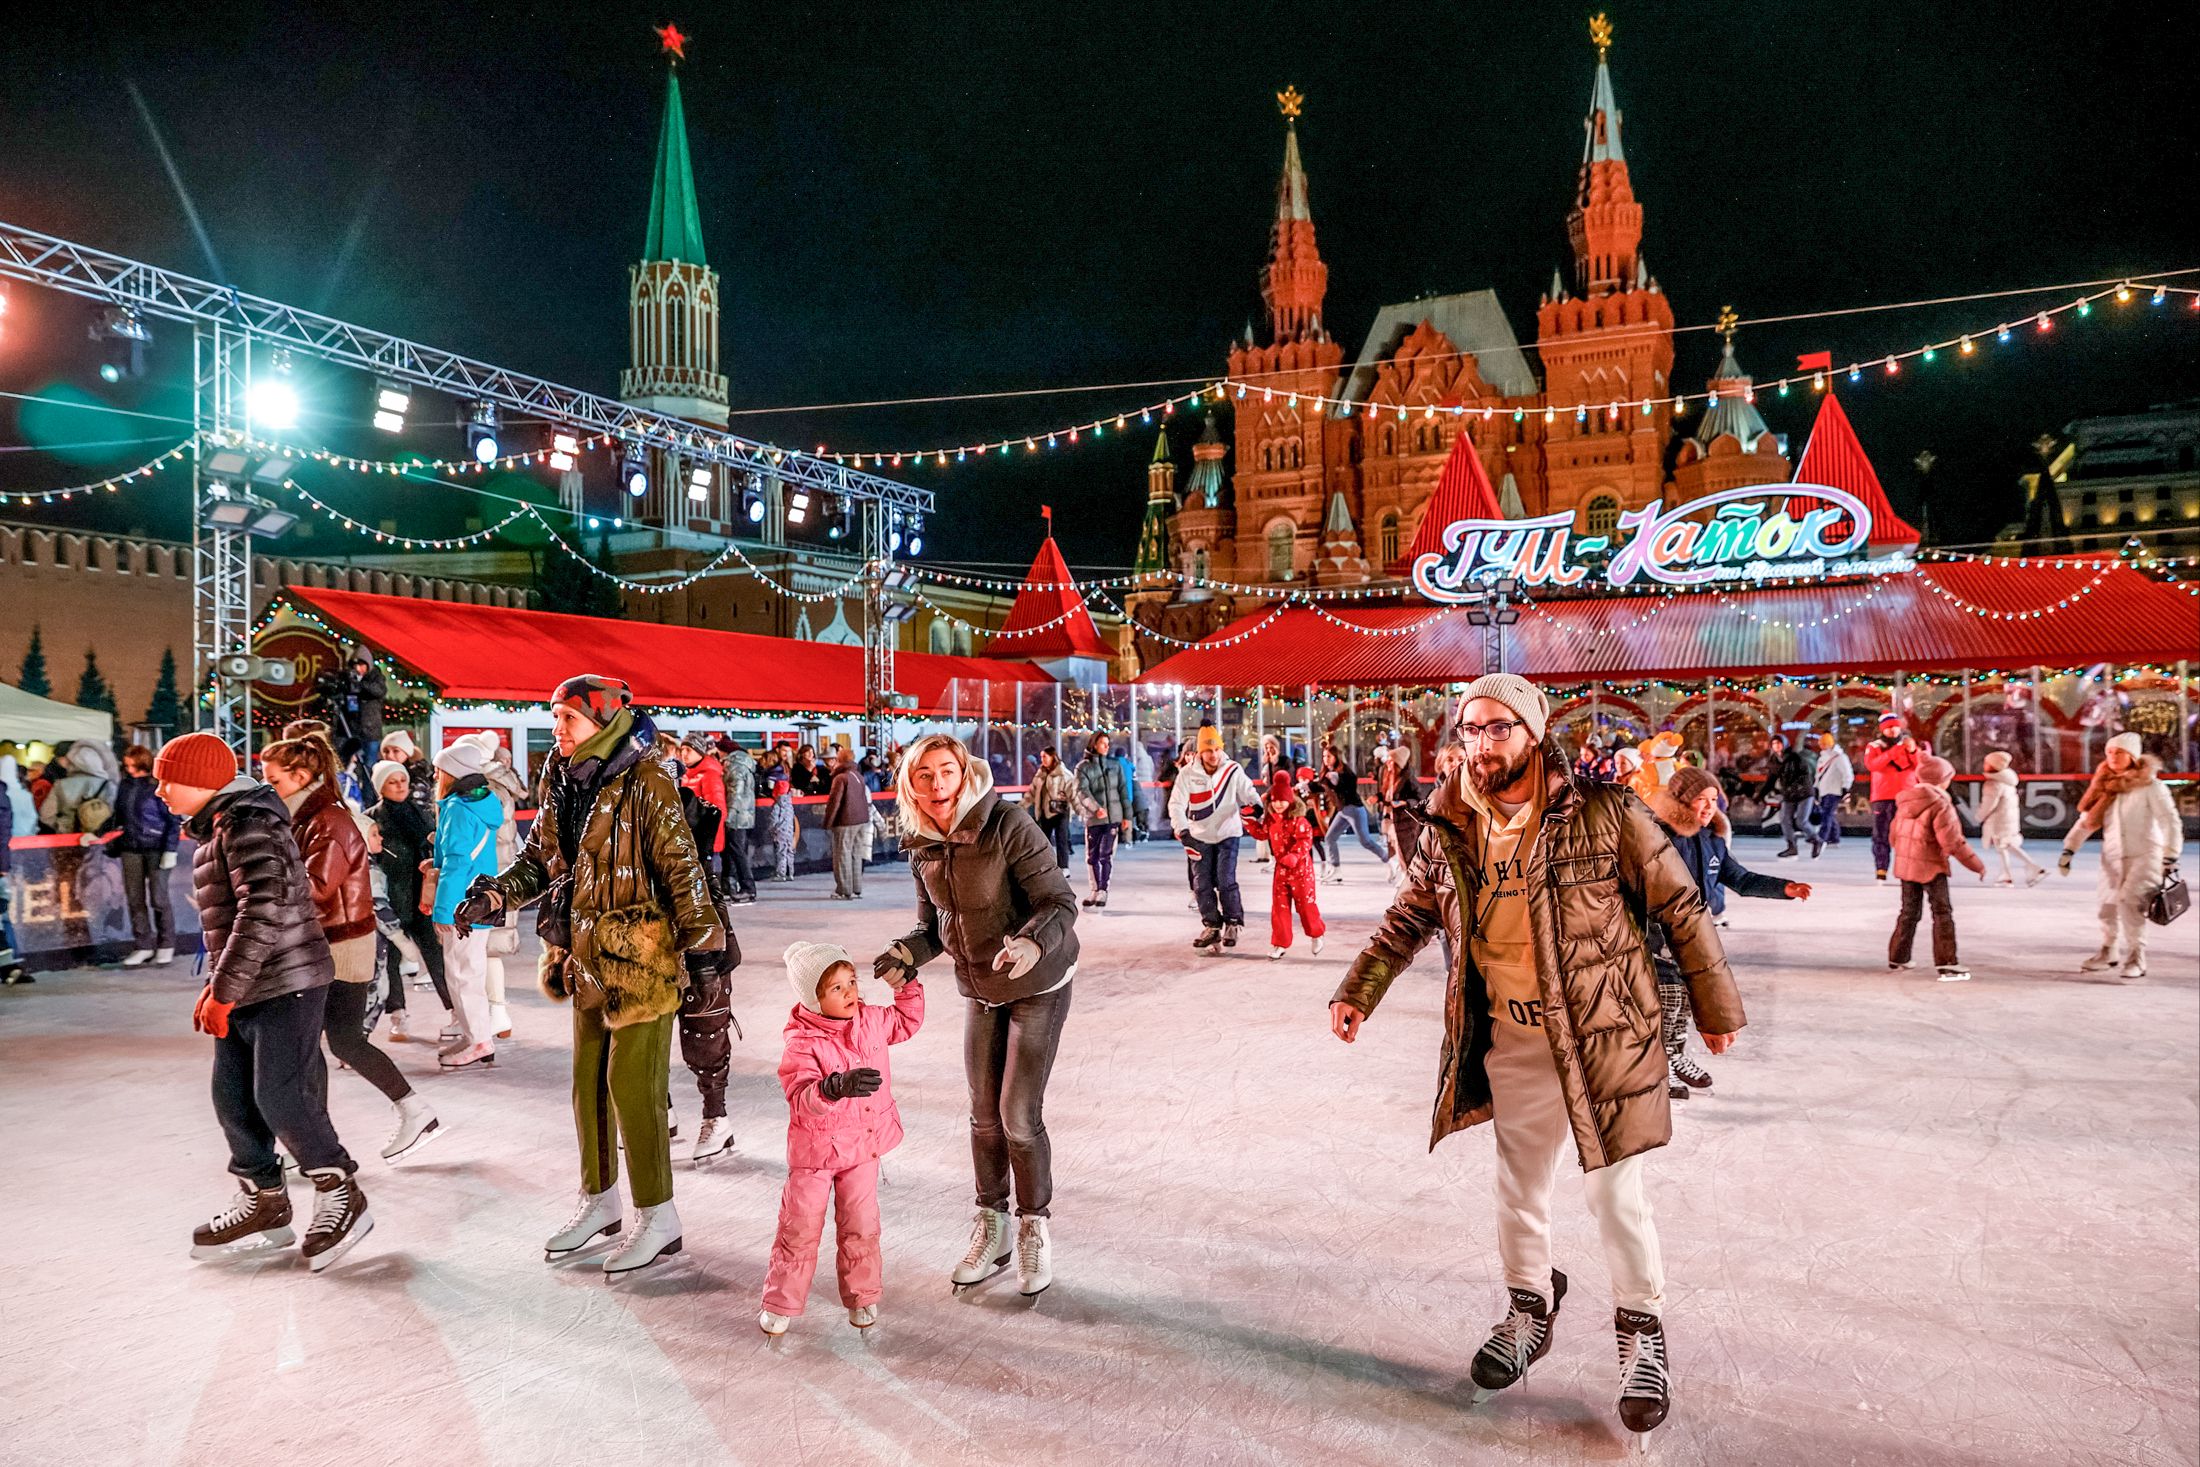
{"x":1835,"y":458}
{"x":1462,"y":493}
{"x":1814,"y":361}
{"x":1052,"y":610}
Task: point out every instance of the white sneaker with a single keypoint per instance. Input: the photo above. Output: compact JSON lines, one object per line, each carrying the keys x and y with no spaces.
{"x":139,"y":958}
{"x":1317,"y":947}
{"x":1276,"y":952}
{"x":1034,"y":1264}
{"x":715,"y":1137}
{"x":163,"y":956}
{"x":772,"y":1324}
{"x":596,"y":1216}
{"x":655,"y":1234}
{"x":500,"y":1021}
{"x":416,"y":1123}
{"x":988,"y":1251}
{"x":863,"y":1316}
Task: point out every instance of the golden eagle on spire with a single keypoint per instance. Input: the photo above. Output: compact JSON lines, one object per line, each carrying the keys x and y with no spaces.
{"x":1600,"y":33}
{"x":1289,"y":101}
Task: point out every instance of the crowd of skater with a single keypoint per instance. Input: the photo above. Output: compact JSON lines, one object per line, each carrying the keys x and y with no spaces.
{"x":1576,"y":897}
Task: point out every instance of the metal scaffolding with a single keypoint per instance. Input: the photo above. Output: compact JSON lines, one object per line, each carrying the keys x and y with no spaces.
{"x":228,"y":322}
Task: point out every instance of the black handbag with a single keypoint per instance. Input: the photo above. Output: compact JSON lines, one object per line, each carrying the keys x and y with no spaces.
{"x":2171,"y":899}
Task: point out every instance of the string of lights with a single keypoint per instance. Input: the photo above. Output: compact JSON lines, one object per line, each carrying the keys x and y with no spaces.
{"x":409,"y":542}
{"x":995,"y":633}
{"x":109,"y":485}
{"x":1990,"y":614}
{"x":1071,"y":433}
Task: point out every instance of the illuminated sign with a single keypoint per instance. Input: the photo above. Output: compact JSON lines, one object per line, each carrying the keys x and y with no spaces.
{"x":1754,"y":533}
{"x":309,"y":653}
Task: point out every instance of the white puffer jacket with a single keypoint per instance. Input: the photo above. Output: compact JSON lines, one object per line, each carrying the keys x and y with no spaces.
{"x":1999,"y":810}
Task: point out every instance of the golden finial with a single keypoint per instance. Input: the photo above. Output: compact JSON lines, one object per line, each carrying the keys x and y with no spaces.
{"x":1729,"y":323}
{"x":1600,"y":33}
{"x":1289,"y":101}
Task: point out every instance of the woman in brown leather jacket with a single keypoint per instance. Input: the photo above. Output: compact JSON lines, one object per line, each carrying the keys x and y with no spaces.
{"x":303,"y":772}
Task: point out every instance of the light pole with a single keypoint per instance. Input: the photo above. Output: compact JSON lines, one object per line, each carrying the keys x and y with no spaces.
{"x":1493,"y":614}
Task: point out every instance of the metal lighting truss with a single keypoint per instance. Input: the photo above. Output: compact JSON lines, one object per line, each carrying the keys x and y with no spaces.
{"x":236,"y":319}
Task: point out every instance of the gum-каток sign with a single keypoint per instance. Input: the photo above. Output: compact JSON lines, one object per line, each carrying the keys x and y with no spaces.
{"x":1745,"y":534}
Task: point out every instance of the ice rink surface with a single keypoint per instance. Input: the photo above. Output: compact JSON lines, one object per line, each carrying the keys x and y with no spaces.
{"x":1914,"y":1223}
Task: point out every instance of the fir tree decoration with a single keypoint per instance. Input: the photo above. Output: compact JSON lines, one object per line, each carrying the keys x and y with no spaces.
{"x":165,"y":712}
{"x":33,"y":679}
{"x":604,"y":598}
{"x":92,"y":690}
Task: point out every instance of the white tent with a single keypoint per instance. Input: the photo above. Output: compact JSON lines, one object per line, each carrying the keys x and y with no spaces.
{"x":27,"y":718}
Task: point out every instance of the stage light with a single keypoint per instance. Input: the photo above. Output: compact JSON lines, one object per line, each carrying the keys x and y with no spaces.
{"x":271,"y":401}
{"x":122,"y":337}
{"x":563,"y":446}
{"x":699,"y":480}
{"x":634,"y":473}
{"x":916,"y":534}
{"x":392,"y":400}
{"x":798,"y":506}
{"x":481,"y":433}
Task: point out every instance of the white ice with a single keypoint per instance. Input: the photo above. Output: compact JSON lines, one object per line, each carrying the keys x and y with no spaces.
{"x":1914,"y":1223}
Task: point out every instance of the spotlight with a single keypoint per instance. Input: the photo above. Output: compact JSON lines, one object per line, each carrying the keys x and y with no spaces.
{"x":271,"y":401}
{"x":699,"y":483}
{"x":392,"y":400}
{"x":916,"y":533}
{"x":634,"y":473}
{"x":798,"y":506}
{"x":122,"y":337}
{"x":481,"y":433}
{"x":562,"y":448}
{"x":846,"y":525}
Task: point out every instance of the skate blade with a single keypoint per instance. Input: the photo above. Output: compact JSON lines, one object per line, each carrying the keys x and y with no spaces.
{"x":608,"y":1230}
{"x":274,"y":1240}
{"x":359,"y":1230}
{"x":661,"y":1254}
{"x":434,"y":1129}
{"x":1000,"y":1265}
{"x":1035,"y":1293}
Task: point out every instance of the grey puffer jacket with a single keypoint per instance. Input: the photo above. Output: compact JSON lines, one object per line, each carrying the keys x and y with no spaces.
{"x":1102,"y":787}
{"x":740,"y":790}
{"x":991,"y":878}
{"x":263,"y":934}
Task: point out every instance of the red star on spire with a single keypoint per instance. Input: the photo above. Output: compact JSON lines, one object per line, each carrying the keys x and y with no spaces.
{"x":669,"y":36}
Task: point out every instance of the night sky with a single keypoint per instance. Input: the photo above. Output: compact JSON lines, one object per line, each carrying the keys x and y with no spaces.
{"x":916,"y":199}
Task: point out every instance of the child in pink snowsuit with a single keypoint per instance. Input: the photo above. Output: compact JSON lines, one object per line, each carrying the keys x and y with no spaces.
{"x":1291,"y":840}
{"x":842,"y":1120}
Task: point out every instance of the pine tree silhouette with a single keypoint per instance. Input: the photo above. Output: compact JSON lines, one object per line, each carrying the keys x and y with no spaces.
{"x":165,"y":712}
{"x":33,"y":679}
{"x":92,"y":690}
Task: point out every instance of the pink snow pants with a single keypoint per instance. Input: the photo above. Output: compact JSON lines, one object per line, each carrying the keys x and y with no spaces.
{"x":854,"y":1193}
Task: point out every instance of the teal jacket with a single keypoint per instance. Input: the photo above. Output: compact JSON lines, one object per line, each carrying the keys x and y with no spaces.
{"x":465,"y":845}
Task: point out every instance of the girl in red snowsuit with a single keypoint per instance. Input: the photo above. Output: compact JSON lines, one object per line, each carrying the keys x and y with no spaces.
{"x":1291,"y":841}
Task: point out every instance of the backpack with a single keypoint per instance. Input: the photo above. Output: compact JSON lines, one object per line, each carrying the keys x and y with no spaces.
{"x":94,"y":811}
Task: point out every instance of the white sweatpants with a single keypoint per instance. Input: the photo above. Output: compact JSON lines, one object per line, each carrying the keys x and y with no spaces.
{"x":1533,"y":1135}
{"x":465,"y":973}
{"x":2125,"y":890}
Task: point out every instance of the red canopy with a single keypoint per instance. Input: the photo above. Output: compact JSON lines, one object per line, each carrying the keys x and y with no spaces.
{"x":1462,"y":493}
{"x":495,"y":653}
{"x":1049,"y":600}
{"x":1934,"y":618}
{"x":1835,"y":458}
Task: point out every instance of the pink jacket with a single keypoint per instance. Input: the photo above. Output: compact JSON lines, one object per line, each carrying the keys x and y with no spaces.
{"x":1893,"y":770}
{"x":1927,"y":835}
{"x":833,"y":1135}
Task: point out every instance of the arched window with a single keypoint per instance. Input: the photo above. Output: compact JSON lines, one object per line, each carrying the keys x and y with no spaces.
{"x":942,"y":636}
{"x":1386,"y":537}
{"x":962,"y":641}
{"x":676,"y":328}
{"x":1281,"y":536}
{"x":1199,"y":565}
{"x":1600,"y":516}
{"x":1389,"y":440}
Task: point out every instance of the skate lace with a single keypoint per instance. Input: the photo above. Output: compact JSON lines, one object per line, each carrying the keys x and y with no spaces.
{"x":1516,"y":1336}
{"x":1687,"y":1067}
{"x":1030,"y":1250}
{"x":246,"y":1204}
{"x":330,"y":1209}
{"x":1642,"y":1365}
{"x":981,"y":1241}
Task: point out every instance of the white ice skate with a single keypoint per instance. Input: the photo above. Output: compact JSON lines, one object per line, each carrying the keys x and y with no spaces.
{"x":988,"y":1251}
{"x":500,"y":1021}
{"x":254,"y":1223}
{"x":863,"y":1316}
{"x":1953,"y":973}
{"x":654,"y":1235}
{"x":163,"y":956}
{"x":416,"y":1125}
{"x":2136,"y":967}
{"x":139,"y":958}
{"x":1317,"y":948}
{"x":2100,"y":961}
{"x":772,"y":1324}
{"x":1275,"y":953}
{"x":715,"y":1137}
{"x":596,"y":1216}
{"x":1034,"y":1257}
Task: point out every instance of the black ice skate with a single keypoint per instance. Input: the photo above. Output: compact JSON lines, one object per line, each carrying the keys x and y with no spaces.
{"x":1645,"y":1391}
{"x":1520,"y":1339}
{"x":340,"y":1219}
{"x":1209,"y":939}
{"x":256,"y":1222}
{"x":1230,"y":931}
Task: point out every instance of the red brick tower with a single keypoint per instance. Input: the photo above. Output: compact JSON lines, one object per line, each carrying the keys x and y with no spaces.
{"x":1609,"y":338}
{"x":1282,"y":445}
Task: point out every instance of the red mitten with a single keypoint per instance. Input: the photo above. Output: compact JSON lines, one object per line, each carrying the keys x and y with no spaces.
{"x":211,"y":1015}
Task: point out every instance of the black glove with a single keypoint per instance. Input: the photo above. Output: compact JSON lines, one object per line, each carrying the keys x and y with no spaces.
{"x":850,"y":1082}
{"x":482,"y":906}
{"x":893,"y":963}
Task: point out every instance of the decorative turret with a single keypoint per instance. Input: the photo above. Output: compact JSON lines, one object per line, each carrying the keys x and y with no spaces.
{"x":1606,"y":223}
{"x":1732,"y":446}
{"x":1296,"y":280}
{"x":673,"y":292}
{"x":1153,"y":535}
{"x":1341,"y":562}
{"x":1049,"y":624}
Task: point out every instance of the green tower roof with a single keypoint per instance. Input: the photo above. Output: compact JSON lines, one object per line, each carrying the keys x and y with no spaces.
{"x":675,"y":223}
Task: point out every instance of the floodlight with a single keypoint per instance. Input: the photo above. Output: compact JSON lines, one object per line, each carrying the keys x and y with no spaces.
{"x":481,"y":433}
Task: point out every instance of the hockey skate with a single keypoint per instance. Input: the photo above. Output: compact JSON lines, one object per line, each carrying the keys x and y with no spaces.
{"x":1209,"y":939}
{"x":1230,"y":931}
{"x":988,"y":1251}
{"x":340,"y":1219}
{"x":1691,"y":1074}
{"x":654,"y":1235}
{"x":1645,"y":1390}
{"x":596,"y":1217}
{"x":254,"y":1224}
{"x":1521,"y":1338}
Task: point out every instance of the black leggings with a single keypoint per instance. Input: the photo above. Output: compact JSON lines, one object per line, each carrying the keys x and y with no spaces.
{"x":345,"y":1026}
{"x":421,"y":929}
{"x":1008,"y":1052}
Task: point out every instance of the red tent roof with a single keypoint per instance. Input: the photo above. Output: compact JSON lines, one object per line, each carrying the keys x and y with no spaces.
{"x":1898,"y":623}
{"x":1048,"y":600}
{"x":1462,"y":493}
{"x":1834,"y":457}
{"x":493,"y":652}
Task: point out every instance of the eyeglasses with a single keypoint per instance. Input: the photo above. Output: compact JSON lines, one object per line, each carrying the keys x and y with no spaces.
{"x":1498,"y":732}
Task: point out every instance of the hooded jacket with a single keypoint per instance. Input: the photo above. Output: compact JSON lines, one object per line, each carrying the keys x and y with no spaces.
{"x":1999,"y":815}
{"x":1206,"y":807}
{"x":336,"y":860}
{"x":255,"y":902}
{"x":1052,"y":790}
{"x":833,"y":1135}
{"x":1600,"y":871}
{"x":1704,"y":851}
{"x":466,"y":824}
{"x":406,"y":842}
{"x":1835,"y":772}
{"x":143,"y":823}
{"x":91,"y":775}
{"x":1927,"y":835}
{"x":847,"y":798}
{"x":990,"y":877}
{"x":740,"y":778}
{"x":610,"y":825}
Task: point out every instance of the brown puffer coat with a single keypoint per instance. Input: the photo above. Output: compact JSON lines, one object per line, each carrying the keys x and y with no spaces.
{"x":639,"y":899}
{"x":1599,"y":873}
{"x":263,"y":939}
{"x":336,"y":859}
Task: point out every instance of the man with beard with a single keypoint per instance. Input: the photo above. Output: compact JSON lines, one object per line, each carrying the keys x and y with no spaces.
{"x":1521,"y":864}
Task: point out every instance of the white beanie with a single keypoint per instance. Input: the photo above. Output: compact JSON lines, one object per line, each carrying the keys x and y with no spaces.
{"x":383,"y":771}
{"x":1516,"y":693}
{"x":399,"y":742}
{"x":461,"y":758}
{"x":486,"y":738}
{"x":2129,"y":743}
{"x":807,"y":965}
